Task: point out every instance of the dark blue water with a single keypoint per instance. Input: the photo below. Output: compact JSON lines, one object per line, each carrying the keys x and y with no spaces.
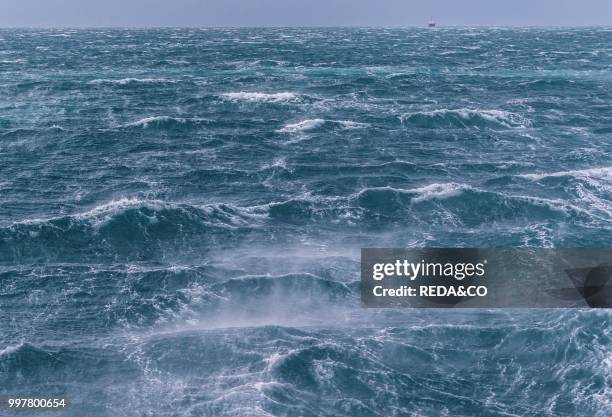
{"x":181,"y":213}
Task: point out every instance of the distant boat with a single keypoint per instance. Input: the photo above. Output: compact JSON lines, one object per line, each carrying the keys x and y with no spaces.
{"x":431,"y":24}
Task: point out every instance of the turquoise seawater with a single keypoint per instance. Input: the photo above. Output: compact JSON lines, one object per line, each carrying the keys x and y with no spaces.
{"x":182,"y":210}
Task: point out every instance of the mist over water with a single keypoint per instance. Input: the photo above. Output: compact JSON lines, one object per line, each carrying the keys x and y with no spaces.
{"x":181,"y":214}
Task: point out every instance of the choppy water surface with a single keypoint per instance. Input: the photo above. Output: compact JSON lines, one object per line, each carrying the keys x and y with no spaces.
{"x":181,"y":213}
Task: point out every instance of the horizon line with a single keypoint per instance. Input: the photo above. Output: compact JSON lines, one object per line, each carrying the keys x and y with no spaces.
{"x":424,"y":26}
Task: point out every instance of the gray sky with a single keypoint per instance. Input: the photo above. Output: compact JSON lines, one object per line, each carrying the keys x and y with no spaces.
{"x":45,"y":13}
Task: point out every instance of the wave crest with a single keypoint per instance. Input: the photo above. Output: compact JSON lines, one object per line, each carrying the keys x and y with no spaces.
{"x":261,"y":97}
{"x":312,"y":124}
{"x":465,"y":118}
{"x":127,"y":227}
{"x":601,"y":173}
{"x":439,"y":191}
{"x":126,"y":81}
{"x":156,"y":120}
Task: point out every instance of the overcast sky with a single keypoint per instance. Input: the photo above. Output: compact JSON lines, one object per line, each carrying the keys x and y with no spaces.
{"x":62,"y":13}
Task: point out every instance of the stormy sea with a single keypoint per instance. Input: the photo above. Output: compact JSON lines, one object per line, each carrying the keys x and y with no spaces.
{"x":182,"y":213}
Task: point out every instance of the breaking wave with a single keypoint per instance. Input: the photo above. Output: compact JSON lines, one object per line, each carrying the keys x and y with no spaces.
{"x":261,"y":97}
{"x":126,"y":81}
{"x":599,"y":173}
{"x":125,"y":226}
{"x":312,"y":124}
{"x":465,"y":118}
{"x":164,"y":121}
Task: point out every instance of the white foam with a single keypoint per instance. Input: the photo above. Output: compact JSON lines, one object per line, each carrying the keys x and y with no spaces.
{"x":310,"y":124}
{"x":11,"y":349}
{"x":302,"y":126}
{"x":596,"y":178}
{"x":144,"y":122}
{"x":102,"y":211}
{"x":234,"y":215}
{"x":601,"y":173}
{"x":121,"y":204}
{"x":429,"y":192}
{"x":349,"y":124}
{"x":505,"y":118}
{"x":439,"y":191}
{"x":261,"y":97}
{"x":502,"y":117}
{"x":124,"y":81}
{"x":276,"y":163}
